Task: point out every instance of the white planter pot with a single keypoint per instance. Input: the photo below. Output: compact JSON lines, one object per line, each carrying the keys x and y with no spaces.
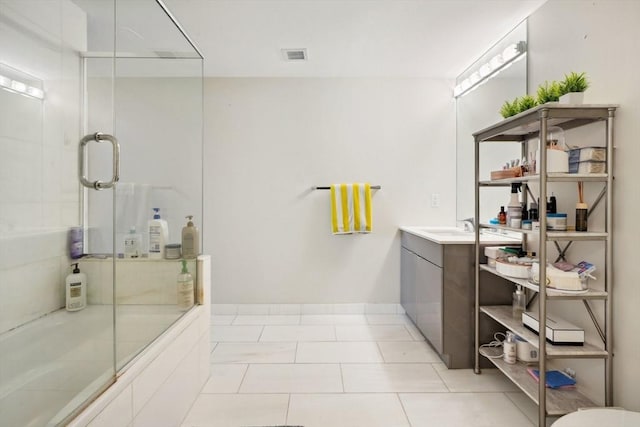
{"x":572,"y":98}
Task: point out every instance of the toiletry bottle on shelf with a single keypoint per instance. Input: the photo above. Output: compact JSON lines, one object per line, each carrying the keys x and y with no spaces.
{"x":509,"y":348}
{"x":581,"y":216}
{"x":185,"y":288}
{"x":132,"y":244}
{"x":502,"y":216}
{"x":533,"y":212}
{"x":76,"y":290}
{"x":190,"y":239}
{"x":552,"y":206}
{"x":519,"y":303}
{"x":158,"y":235}
{"x":514,"y":208}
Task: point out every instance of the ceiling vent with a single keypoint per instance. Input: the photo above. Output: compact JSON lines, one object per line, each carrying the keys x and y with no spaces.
{"x":294,"y":55}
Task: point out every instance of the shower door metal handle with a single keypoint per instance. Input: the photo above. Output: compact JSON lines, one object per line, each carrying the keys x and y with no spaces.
{"x":99,"y":137}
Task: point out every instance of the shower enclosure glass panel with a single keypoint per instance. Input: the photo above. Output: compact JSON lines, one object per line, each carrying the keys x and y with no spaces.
{"x":121,"y":67}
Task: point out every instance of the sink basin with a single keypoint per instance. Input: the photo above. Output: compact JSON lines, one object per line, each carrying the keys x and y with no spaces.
{"x":456,"y":232}
{"x":454,"y":235}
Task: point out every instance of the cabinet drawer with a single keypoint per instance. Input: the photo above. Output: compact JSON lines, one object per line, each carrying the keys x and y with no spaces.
{"x":424,"y":248}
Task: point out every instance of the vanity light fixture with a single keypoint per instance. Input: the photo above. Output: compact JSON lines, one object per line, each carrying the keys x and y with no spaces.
{"x":501,"y":61}
{"x":14,"y":82}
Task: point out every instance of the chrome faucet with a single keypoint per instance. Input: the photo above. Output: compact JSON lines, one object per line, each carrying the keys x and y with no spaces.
{"x":469,"y":224}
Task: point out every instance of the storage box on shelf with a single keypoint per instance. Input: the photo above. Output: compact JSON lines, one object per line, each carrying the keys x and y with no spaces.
{"x":523,"y":128}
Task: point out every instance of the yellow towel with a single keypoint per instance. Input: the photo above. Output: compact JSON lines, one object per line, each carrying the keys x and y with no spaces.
{"x":351,"y":208}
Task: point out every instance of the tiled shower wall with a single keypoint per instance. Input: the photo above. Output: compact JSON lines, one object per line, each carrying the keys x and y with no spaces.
{"x":39,"y":196}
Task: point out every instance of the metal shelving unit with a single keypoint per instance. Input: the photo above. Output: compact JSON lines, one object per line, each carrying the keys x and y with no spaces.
{"x":522,"y":128}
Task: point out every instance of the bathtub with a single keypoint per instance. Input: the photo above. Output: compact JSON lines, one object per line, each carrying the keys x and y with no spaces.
{"x":152,"y":367}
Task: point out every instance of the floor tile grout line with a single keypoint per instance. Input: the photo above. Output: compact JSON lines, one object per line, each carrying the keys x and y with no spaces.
{"x":344,"y":390}
{"x":244,"y":375}
{"x":286,"y":415}
{"x":404,"y":410}
{"x":441,"y":379}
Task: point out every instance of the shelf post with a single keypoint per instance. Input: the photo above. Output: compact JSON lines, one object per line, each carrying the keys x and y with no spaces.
{"x":608,"y":284}
{"x":476,"y":268}
{"x":542,"y":252}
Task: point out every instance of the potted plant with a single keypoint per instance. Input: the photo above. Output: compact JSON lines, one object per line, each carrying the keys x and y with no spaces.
{"x":526,"y":102}
{"x":509,"y":108}
{"x":549,"y":92}
{"x":573,"y":87}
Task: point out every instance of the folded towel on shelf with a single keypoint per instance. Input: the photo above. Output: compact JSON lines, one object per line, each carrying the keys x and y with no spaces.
{"x":351,"y":208}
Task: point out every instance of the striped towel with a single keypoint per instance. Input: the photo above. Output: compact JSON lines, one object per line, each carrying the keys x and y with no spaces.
{"x":351,"y":208}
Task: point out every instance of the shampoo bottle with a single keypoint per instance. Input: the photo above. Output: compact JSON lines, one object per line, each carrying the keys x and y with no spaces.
{"x":76,"y":290}
{"x":190,"y":239}
{"x":185,"y":288}
{"x":132,"y":244}
{"x":158,"y":235}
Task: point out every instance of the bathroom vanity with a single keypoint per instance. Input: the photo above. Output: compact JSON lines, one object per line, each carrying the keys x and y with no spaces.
{"x":437,"y":289}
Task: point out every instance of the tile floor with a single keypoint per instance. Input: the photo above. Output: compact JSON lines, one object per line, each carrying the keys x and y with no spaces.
{"x":346,"y":370}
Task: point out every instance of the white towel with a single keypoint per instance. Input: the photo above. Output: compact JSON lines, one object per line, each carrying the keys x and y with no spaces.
{"x":351,"y":208}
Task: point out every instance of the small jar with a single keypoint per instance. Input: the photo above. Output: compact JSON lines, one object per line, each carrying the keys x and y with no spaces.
{"x":526,"y":224}
{"x":557,"y":221}
{"x":173,"y":251}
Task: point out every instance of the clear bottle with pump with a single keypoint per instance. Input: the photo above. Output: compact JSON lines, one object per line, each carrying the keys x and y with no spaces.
{"x":190,"y":239}
{"x":132,"y":244}
{"x":158,"y":235}
{"x":76,"y":290}
{"x":519,"y":303}
{"x":185,"y":288}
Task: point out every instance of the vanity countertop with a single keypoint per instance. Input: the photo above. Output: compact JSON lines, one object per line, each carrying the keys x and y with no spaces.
{"x":458,"y":236}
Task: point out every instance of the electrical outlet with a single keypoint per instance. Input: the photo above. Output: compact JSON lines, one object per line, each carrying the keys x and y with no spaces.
{"x":435,"y":200}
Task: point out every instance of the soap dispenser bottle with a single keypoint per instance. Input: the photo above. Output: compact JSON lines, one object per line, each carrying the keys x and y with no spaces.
{"x":185,"y":288}
{"x":190,"y":239}
{"x":76,"y":290}
{"x":158,"y":235}
{"x":132,"y":244}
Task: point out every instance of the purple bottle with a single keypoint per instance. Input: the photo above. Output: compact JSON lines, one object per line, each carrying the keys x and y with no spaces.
{"x":76,"y":242}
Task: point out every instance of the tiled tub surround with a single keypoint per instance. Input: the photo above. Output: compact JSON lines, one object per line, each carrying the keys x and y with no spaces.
{"x":159,"y":386}
{"x":57,"y":359}
{"x":343,"y":370}
{"x":138,"y":281}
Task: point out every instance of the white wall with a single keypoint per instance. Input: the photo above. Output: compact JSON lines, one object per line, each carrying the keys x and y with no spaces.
{"x":601,"y":38}
{"x":268,"y":141}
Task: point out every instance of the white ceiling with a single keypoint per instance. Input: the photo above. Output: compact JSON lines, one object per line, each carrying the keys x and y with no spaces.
{"x":346,"y":38}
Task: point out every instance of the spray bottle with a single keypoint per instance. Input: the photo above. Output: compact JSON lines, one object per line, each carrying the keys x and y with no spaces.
{"x":514,"y":208}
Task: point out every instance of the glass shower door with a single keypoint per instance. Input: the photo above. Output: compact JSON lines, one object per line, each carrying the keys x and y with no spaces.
{"x":156,"y":116}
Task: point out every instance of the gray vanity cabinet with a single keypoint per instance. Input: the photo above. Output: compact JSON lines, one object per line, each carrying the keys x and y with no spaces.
{"x":429,"y":302}
{"x":437,"y":292}
{"x":408,"y":271}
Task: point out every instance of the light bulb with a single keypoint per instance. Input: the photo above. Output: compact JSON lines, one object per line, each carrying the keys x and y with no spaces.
{"x":18,"y":86}
{"x":485,"y":70}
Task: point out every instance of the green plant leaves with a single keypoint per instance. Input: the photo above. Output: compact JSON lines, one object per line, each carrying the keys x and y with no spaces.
{"x":574,"y":82}
{"x":547,"y":92}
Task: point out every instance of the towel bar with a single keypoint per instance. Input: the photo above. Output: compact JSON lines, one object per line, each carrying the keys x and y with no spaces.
{"x":373,"y":187}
